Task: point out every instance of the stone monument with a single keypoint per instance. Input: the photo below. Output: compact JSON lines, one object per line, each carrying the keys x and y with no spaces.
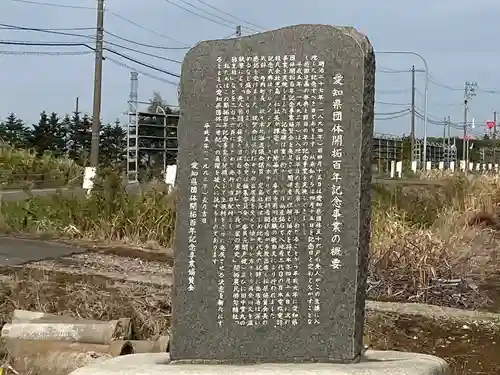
{"x":273,"y":211}
{"x":274,"y":181}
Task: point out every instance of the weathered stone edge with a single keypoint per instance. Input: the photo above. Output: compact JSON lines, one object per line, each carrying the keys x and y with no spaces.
{"x":433,"y":312}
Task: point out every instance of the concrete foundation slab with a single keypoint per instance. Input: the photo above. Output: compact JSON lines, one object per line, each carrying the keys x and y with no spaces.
{"x":373,"y":363}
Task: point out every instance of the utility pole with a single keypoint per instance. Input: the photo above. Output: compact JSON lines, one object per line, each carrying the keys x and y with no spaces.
{"x":446,"y":141}
{"x":464,"y":146}
{"x":444,"y":132}
{"x":494,"y":136}
{"x":449,"y":132}
{"x":469,"y":92}
{"x":495,"y":125}
{"x":412,"y":131}
{"x":238,"y":31}
{"x":67,"y":135}
{"x":96,"y":111}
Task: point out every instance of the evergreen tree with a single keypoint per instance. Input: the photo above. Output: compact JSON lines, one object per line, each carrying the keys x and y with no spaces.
{"x":80,"y":137}
{"x":73,"y":145}
{"x":15,"y":131}
{"x":66,"y":129}
{"x":113,"y":145}
{"x":48,"y":135}
{"x":58,"y":145}
{"x":3,"y":132}
{"x":41,"y":136}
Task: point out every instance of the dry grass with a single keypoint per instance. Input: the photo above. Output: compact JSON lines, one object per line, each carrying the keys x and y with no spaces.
{"x":110,"y":215}
{"x":25,"y":169}
{"x":86,"y":297}
{"x":428,"y":239}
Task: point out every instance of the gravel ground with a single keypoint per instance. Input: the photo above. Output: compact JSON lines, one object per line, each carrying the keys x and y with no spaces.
{"x":110,"y":266}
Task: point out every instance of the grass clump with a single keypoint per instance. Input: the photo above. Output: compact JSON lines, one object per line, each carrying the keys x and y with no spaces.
{"x":110,"y":213}
{"x":20,"y":169}
{"x":428,"y":240}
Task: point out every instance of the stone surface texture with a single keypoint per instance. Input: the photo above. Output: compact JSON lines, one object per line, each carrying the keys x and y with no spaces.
{"x":338,"y":334}
{"x":372,"y":363}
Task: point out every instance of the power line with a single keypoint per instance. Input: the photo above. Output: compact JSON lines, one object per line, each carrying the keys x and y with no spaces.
{"x":143,"y":44}
{"x":388,"y":70}
{"x":230,"y":15}
{"x":488,"y":91}
{"x":48,"y":31}
{"x":117,"y":15}
{"x":436,"y":119}
{"x":60,"y":29}
{"x":145,"y":53}
{"x":440,"y":103}
{"x":438,"y":122}
{"x":392,"y":117}
{"x":142,"y":63}
{"x":382,"y":69}
{"x":393,"y":91}
{"x":45,"y":44}
{"x":53,"y":5}
{"x":409,"y":104}
{"x":64,"y":44}
{"x":16,"y":27}
{"x":123,"y":65}
{"x":391,"y":113}
{"x":199,"y":15}
{"x":47,"y":53}
{"x":437,"y":83}
{"x":41,"y":44}
{"x":390,"y":103}
{"x":215,"y":15}
{"x":434,"y":81}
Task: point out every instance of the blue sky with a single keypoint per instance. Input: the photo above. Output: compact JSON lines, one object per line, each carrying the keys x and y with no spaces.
{"x":457,"y":38}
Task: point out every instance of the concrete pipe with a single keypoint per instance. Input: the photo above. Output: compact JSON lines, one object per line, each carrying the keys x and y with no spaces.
{"x":25,"y":316}
{"x":93,"y":333}
{"x":141,"y":346}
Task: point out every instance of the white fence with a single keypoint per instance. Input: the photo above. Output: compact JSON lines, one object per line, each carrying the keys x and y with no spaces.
{"x":396,"y":167}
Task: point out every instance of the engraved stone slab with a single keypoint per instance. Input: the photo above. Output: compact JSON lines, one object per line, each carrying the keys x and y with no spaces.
{"x":274,"y":195}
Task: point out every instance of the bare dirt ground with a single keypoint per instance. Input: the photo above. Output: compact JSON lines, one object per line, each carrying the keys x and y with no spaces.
{"x":112,"y":282}
{"x":98,"y":284}
{"x":110,"y":266}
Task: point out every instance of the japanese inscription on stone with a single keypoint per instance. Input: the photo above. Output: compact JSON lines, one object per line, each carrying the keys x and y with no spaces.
{"x":274,"y":197}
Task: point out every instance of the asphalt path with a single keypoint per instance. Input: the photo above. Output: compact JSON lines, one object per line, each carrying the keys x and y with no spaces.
{"x":17,"y":251}
{"x":18,"y":195}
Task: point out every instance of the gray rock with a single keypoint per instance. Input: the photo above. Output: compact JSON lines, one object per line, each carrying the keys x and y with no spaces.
{"x":274,"y":181}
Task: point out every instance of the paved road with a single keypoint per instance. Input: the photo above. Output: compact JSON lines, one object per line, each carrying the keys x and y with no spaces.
{"x":18,"y":195}
{"x":14,"y":251}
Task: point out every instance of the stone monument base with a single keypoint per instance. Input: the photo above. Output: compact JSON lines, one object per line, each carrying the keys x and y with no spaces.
{"x":373,"y":363}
